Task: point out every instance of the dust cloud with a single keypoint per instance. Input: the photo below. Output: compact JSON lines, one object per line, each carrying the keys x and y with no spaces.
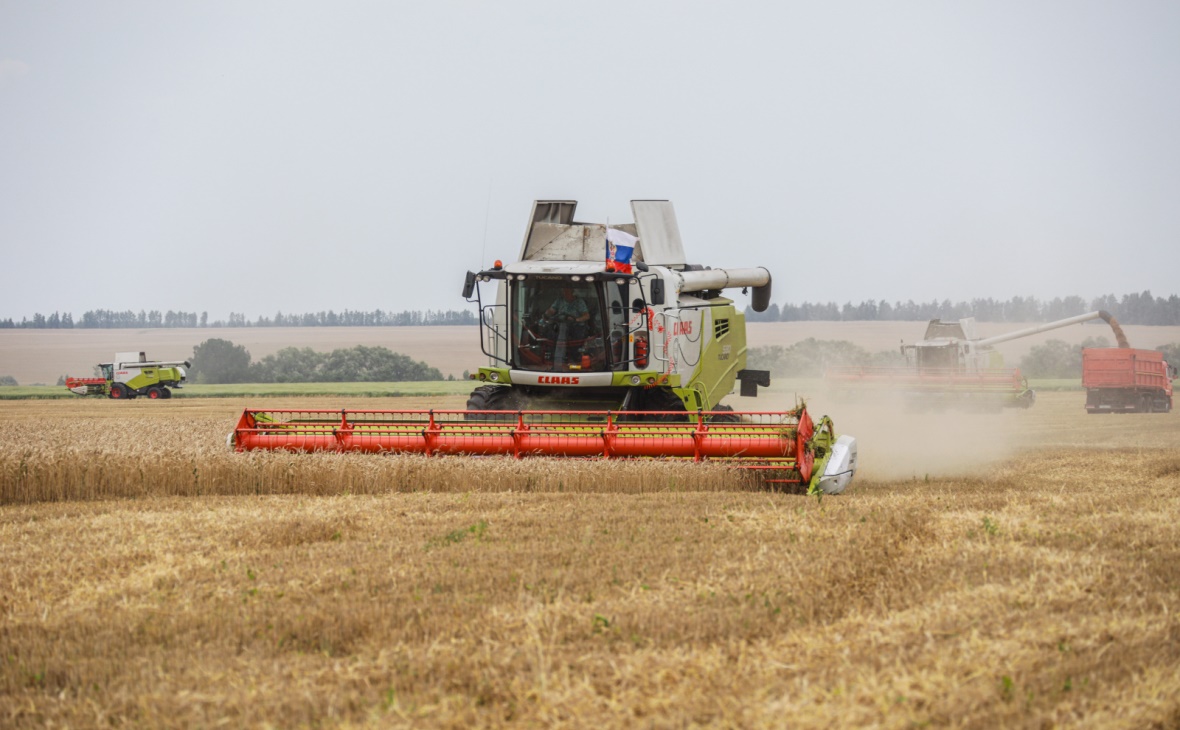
{"x":895,"y":442}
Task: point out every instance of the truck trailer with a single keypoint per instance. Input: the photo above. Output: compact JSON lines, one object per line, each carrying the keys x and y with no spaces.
{"x":1126,"y":380}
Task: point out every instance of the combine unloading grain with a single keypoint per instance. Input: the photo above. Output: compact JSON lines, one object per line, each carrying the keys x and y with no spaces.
{"x":602,"y":341}
{"x":951,"y":367}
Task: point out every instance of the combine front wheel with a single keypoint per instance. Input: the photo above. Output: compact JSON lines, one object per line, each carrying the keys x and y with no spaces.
{"x":724,"y":414}
{"x":119,"y":392}
{"x":491,"y":398}
{"x":662,"y":402}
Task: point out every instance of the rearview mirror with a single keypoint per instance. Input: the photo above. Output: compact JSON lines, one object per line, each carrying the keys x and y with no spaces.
{"x":657,"y":291}
{"x":469,"y":285}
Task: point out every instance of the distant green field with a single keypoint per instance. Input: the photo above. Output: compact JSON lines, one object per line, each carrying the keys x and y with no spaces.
{"x":1055,"y":383}
{"x":24,"y":392}
{"x":374,"y":390}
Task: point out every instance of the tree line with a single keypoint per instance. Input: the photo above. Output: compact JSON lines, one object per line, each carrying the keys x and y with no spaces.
{"x":128,"y":319}
{"x":1142,"y":308}
{"x":811,"y":358}
{"x":1059,"y":359}
{"x":221,"y":361}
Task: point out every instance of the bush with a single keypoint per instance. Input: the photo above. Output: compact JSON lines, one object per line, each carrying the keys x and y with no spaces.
{"x":8,"y":380}
{"x":374,"y":364}
{"x":289,"y":365}
{"x":811,"y":357}
{"x":1058,"y":359}
{"x":220,"y":361}
{"x":358,"y":364}
{"x":1171,"y":353}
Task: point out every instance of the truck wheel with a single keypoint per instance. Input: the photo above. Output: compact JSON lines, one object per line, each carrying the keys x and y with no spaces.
{"x":155,"y":392}
{"x":119,"y":391}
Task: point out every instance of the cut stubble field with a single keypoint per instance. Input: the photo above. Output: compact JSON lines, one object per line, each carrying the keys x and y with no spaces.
{"x":1014,"y":569}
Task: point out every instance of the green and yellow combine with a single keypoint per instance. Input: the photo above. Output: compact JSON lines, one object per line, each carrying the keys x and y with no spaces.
{"x":601,"y":341}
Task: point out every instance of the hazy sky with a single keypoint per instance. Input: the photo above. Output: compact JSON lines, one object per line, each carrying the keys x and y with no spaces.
{"x":297,"y":156}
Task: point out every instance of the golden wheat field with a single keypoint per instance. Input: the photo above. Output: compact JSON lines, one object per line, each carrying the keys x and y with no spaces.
{"x":1019,"y":569}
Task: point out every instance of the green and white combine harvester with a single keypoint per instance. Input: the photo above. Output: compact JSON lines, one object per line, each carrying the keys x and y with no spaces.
{"x":130,"y":375}
{"x":602,"y":341}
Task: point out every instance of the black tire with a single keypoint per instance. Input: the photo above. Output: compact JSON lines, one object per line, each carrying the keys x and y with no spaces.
{"x":155,"y":392}
{"x":119,"y":392}
{"x":167,"y":393}
{"x":491,"y":398}
{"x":724,"y":414}
{"x":656,"y":400}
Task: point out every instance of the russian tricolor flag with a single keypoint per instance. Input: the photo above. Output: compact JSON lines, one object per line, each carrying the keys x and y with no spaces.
{"x":620,"y":245}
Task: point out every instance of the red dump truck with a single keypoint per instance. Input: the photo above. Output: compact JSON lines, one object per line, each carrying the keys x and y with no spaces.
{"x":1126,"y":380}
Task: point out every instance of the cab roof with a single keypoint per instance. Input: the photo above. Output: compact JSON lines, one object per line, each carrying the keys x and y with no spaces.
{"x":552,"y":234}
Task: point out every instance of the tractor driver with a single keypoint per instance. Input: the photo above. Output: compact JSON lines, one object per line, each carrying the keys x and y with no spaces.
{"x":567,"y":316}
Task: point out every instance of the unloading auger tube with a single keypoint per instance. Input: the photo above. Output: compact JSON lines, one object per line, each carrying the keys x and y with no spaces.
{"x":1101,"y":314}
{"x":783,"y":448}
{"x":718,"y":279}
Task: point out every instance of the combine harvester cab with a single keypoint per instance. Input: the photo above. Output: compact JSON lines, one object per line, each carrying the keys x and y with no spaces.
{"x":602,"y":341}
{"x":131,"y":375}
{"x":952,"y":367}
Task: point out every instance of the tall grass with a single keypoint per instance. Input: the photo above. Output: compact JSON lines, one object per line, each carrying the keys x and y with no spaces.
{"x":132,"y":457}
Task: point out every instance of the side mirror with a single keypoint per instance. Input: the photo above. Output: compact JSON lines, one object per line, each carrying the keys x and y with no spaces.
{"x":657,"y":291}
{"x":469,"y":285}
